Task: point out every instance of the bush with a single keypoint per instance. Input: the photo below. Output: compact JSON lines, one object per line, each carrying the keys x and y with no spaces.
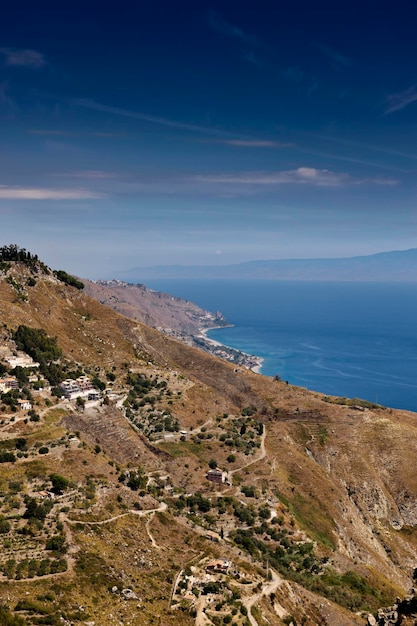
{"x":59,"y":483}
{"x":8,"y":619}
{"x":248,"y":491}
{"x":4,"y":525}
{"x":7,"y":457}
{"x":56,"y":544}
{"x":68,"y":279}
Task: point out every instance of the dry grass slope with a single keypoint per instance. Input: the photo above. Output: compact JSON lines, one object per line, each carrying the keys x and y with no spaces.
{"x":339,"y":476}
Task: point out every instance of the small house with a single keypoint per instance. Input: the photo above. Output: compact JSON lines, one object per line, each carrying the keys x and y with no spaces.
{"x":25,"y":405}
{"x":215,"y":475}
{"x":219,"y":566}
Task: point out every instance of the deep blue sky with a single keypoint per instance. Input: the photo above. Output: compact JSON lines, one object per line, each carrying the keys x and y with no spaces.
{"x":207,"y":132}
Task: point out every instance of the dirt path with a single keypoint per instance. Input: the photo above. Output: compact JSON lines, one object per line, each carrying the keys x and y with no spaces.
{"x":11,"y":426}
{"x":267,"y":589}
{"x":148,"y":523}
{"x":162,"y":507}
{"x":261,"y":456}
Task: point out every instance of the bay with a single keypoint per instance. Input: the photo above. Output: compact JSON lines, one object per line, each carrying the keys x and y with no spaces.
{"x":345,"y":339}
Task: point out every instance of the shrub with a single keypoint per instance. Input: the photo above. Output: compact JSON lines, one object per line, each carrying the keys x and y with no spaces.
{"x":248,"y":491}
{"x":8,"y":619}
{"x":59,"y":483}
{"x":4,"y":525}
{"x":7,"y":457}
{"x":68,"y":279}
{"x":56,"y":544}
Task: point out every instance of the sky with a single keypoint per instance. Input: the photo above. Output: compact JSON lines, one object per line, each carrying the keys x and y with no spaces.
{"x":207,"y":132}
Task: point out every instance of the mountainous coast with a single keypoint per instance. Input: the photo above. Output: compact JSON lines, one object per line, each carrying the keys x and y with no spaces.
{"x":146,"y":482}
{"x":385,"y":266}
{"x":175,"y":317}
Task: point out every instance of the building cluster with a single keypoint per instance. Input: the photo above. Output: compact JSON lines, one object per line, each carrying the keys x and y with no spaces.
{"x":21,"y":360}
{"x":81,"y":387}
{"x":7,"y":383}
{"x":219,"y":566}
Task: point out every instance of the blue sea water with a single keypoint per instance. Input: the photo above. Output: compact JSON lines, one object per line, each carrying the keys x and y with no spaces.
{"x":346,"y":339}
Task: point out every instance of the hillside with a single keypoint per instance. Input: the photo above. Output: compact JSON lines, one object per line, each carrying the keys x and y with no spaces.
{"x":398,"y":265}
{"x":176,"y":317}
{"x":153,"y":308}
{"x":110,"y":515}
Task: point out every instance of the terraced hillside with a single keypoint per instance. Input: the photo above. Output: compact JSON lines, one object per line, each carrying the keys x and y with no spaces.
{"x":188,"y":490}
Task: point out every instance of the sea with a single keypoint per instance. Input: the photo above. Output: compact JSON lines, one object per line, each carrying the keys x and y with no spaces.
{"x":352,"y":339}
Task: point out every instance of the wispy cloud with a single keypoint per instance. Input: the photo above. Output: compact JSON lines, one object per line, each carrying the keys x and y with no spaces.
{"x":52,"y":133}
{"x":87,"y":103}
{"x":293,"y":74}
{"x":299,"y":176}
{"x":398,"y":101}
{"x":65,"y":133}
{"x":223,"y":27}
{"x":23,"y":57}
{"x":337,"y":57}
{"x":6,"y":102}
{"x":45,"y":193}
{"x":90,"y":174}
{"x":250,"y":57}
{"x":362,"y":145}
{"x":106,"y":135}
{"x":254,"y":143}
{"x":249,"y":43}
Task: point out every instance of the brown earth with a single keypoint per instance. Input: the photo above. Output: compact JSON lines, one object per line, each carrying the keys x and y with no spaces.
{"x":345,"y":474}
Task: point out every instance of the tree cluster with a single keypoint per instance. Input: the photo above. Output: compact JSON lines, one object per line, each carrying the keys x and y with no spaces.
{"x":68,"y":279}
{"x":43,"y":349}
{"x":21,"y":255}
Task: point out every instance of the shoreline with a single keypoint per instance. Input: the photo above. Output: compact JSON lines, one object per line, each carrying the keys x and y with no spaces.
{"x":254,"y":363}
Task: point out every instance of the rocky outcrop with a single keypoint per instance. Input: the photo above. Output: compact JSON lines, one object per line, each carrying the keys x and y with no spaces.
{"x":403,"y":612}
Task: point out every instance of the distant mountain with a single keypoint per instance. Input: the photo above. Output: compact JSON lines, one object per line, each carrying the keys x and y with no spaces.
{"x":399,"y":265}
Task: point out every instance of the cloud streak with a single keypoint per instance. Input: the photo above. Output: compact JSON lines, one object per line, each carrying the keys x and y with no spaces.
{"x":44,"y":193}
{"x":398,"y":101}
{"x":300,"y":176}
{"x":90,"y":174}
{"x":336,"y":56}
{"x":220,"y":25}
{"x":362,"y":145}
{"x":23,"y":58}
{"x":248,"y":42}
{"x":64,"y":133}
{"x":87,"y":103}
{"x":254,"y":143}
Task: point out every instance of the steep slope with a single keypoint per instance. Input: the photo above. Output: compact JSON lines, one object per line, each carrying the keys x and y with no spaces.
{"x":151,"y":307}
{"x":321,"y":494}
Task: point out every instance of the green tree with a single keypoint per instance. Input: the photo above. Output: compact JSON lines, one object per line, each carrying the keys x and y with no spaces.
{"x":4,"y":525}
{"x":80,"y":403}
{"x":8,"y":619}
{"x":68,"y":279}
{"x":59,"y":483}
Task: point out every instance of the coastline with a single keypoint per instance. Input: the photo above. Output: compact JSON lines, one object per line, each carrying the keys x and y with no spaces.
{"x":250,"y":361}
